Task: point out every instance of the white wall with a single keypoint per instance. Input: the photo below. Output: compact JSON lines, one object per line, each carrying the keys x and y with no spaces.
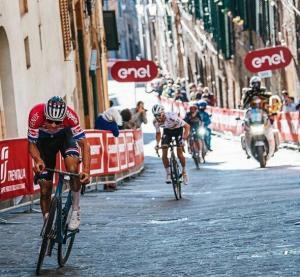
{"x":49,"y":73}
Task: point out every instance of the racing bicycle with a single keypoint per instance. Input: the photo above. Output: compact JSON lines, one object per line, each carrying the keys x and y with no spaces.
{"x":176,"y":174}
{"x":55,"y":228}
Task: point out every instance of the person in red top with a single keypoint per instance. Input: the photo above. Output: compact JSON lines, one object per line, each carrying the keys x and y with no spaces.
{"x":53,"y":127}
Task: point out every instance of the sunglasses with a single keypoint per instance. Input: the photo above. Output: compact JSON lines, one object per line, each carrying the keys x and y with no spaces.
{"x":158,"y":115}
{"x":53,"y":121}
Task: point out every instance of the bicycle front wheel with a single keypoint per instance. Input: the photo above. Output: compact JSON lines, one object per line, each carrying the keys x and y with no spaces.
{"x":47,"y":232}
{"x":175,"y":176}
{"x":64,"y":248}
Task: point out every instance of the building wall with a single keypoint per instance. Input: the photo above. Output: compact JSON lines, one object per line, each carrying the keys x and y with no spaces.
{"x":49,"y":73}
{"x":128,"y":30}
{"x":225,"y":73}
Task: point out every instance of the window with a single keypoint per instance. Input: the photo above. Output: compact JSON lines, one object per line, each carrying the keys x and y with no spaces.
{"x":23,"y":6}
{"x":27,"y":52}
{"x":65,"y":26}
{"x":40,"y":36}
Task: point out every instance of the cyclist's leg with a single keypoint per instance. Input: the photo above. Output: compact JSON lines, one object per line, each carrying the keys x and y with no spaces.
{"x":166,"y":139}
{"x":208,"y":138}
{"x":70,"y":152}
{"x":47,"y":148}
{"x":179,"y":142}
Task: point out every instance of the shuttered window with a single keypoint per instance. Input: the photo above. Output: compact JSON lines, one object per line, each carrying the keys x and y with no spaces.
{"x":65,"y":26}
{"x":23,"y":6}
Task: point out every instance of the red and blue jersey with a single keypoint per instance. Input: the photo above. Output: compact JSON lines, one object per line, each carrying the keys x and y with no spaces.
{"x":38,"y":129}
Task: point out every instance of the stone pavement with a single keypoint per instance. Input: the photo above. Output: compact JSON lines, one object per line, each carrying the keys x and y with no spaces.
{"x":235,"y":219}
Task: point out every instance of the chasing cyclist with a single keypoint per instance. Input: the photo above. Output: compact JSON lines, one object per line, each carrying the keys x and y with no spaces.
{"x":173,"y":126}
{"x":205,"y":117}
{"x":53,"y":127}
{"x":193,"y":118}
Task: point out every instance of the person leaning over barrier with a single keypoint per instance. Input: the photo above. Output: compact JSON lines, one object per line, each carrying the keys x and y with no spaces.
{"x":110,"y":120}
{"x":54,"y":127}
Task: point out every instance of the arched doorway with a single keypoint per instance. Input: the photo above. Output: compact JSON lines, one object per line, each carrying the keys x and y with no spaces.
{"x":8,"y":120}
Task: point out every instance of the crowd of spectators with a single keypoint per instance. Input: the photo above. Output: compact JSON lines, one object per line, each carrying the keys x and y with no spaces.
{"x":180,"y":90}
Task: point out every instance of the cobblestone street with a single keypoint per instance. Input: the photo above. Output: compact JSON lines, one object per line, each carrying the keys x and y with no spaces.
{"x":234,"y":220}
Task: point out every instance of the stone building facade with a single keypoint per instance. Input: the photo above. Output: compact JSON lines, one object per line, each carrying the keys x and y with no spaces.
{"x":45,"y":50}
{"x":213,"y":37}
{"x":127,"y":25}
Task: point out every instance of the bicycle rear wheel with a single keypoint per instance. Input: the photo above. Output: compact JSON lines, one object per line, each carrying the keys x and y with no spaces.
{"x":175,"y":176}
{"x":47,"y":232}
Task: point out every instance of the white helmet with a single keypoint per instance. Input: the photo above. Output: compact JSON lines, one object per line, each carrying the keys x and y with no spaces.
{"x":112,"y":114}
{"x":157,"y":109}
{"x":253,"y":80}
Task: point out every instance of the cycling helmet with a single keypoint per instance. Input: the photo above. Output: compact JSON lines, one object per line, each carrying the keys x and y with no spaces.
{"x":202,"y":104}
{"x":255,"y":82}
{"x":193,"y":107}
{"x":55,"y":109}
{"x":157,"y":109}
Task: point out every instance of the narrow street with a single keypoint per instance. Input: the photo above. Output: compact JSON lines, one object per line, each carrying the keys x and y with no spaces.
{"x":235,"y":219}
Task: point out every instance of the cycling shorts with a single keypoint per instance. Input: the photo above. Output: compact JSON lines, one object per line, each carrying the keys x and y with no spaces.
{"x":168,"y":134}
{"x":49,"y":147}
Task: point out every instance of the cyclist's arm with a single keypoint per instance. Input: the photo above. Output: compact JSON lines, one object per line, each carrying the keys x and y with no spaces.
{"x":86,"y":159}
{"x":158,"y":137}
{"x":186,"y":131}
{"x":35,"y":154}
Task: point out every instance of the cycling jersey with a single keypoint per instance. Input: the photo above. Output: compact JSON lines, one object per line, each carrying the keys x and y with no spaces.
{"x":194,"y":122}
{"x":172,"y":121}
{"x":38,"y":129}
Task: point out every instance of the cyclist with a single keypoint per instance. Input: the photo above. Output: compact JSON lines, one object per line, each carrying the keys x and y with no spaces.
{"x":194,"y":120}
{"x":53,"y":127}
{"x":173,"y":126}
{"x":202,"y":104}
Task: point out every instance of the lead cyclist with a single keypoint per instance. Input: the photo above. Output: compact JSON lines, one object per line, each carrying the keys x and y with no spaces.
{"x":54,"y":127}
{"x":173,"y":126}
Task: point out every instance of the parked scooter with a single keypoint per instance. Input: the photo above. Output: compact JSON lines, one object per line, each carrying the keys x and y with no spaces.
{"x":259,"y":138}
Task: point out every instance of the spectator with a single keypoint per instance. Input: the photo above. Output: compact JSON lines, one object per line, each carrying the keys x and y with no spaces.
{"x":127,"y":120}
{"x":199,"y":92}
{"x":181,"y":95}
{"x":109,"y":120}
{"x":289,"y":105}
{"x":139,"y":115}
{"x":285,"y":95}
{"x":193,"y":91}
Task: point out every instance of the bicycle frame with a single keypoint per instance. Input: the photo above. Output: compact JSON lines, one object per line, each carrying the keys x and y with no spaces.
{"x":63,"y":211}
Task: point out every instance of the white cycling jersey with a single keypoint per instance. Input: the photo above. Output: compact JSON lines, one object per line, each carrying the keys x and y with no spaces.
{"x":172,"y":121}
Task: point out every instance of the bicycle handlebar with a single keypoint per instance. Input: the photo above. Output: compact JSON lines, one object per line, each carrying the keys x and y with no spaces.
{"x":63,"y":172}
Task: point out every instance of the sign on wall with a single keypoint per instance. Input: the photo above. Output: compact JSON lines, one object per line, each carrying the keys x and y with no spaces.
{"x":268,"y":59}
{"x":134,"y":71}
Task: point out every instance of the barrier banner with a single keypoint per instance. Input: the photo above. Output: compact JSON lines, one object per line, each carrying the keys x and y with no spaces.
{"x":138,"y":147}
{"x":122,"y":151}
{"x":96,"y":140}
{"x":130,"y":149}
{"x":288,"y":125}
{"x":109,"y":155}
{"x":112,"y":149}
{"x":15,"y":166}
{"x":225,"y":120}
